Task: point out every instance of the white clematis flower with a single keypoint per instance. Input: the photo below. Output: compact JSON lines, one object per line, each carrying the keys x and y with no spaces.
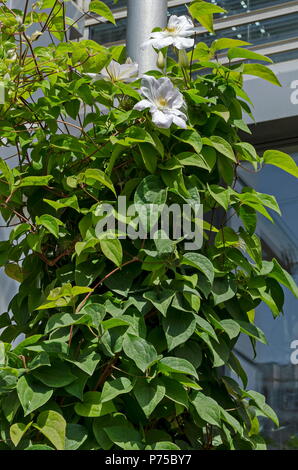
{"x":116,"y":72}
{"x":176,"y":34}
{"x":164,"y":102}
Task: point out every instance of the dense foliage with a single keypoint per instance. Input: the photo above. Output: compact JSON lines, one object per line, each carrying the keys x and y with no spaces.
{"x":125,"y":340}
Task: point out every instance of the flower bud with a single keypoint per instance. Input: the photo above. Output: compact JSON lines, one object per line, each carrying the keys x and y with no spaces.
{"x":183,"y":58}
{"x":160,"y":61}
{"x":35,"y":35}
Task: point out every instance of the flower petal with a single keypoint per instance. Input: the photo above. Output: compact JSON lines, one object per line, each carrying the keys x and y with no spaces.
{"x":179,"y":122}
{"x":161,"y":119}
{"x":149,"y":87}
{"x":143,"y":104}
{"x":183,"y":42}
{"x":158,"y":43}
{"x":128,"y":72}
{"x":94,"y":76}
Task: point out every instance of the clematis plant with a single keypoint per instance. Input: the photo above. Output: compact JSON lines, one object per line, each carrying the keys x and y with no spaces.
{"x":176,"y":34}
{"x":164,"y":101}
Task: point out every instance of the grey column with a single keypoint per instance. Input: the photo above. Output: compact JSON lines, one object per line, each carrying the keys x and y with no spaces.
{"x":143,"y":16}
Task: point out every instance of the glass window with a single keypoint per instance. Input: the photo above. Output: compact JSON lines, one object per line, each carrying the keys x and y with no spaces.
{"x":233,"y":7}
{"x":257,"y":33}
{"x":274,"y":371}
{"x":107,"y":33}
{"x":236,"y":7}
{"x":284,"y":56}
{"x":116,"y":6}
{"x":260,"y":32}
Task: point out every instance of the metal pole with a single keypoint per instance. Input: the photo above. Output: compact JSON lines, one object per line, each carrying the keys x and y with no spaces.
{"x":143,"y":16}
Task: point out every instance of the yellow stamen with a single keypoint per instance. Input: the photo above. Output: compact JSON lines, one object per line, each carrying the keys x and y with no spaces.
{"x":162,"y":102}
{"x":170,"y":30}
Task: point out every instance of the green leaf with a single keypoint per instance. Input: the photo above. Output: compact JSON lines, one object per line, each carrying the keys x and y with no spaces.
{"x":134,"y":135}
{"x":151,"y":191}
{"x":125,"y":437}
{"x":201,"y":263}
{"x":249,"y":218}
{"x":58,"y":375}
{"x":149,"y":394}
{"x":176,"y":365}
{"x":7,"y":173}
{"x":192,"y":138}
{"x":8,"y":378}
{"x":10,"y":405}
{"x":100,"y":424}
{"x":191,"y":159}
{"x":149,"y":155}
{"x":72,"y":108}
{"x":115,"y":387}
{"x":39,"y":447}
{"x":77,"y":387}
{"x":17,"y":431}
{"x":33,"y":181}
{"x":160,"y":299}
{"x":164,"y":445}
{"x":66,"y":319}
{"x":178,"y":328}
{"x":53,"y":426}
{"x":26,"y":342}
{"x":98,"y":175}
{"x":50,"y":223}
{"x":71,"y":201}
{"x":228,"y":418}
{"x":14,"y":271}
{"x":191,"y":351}
{"x":207,"y":408}
{"x":86,"y":362}
{"x":221,"y":145}
{"x":281,"y":160}
{"x":226,"y":43}
{"x":140,"y":351}
{"x":260,"y":402}
{"x":32,"y":395}
{"x":101,"y":9}
{"x":220,"y":195}
{"x":252,"y":330}
{"x":219,"y":350}
{"x":230,"y":327}
{"x":92,"y":406}
{"x":237,"y":52}
{"x":112,"y":249}
{"x":203,"y":12}
{"x":175,"y":391}
{"x":282,"y":276}
{"x":2,"y":353}
{"x":223,"y":289}
{"x":261,"y":71}
{"x":205,"y":326}
{"x":75,"y":436}
{"x":235,"y":364}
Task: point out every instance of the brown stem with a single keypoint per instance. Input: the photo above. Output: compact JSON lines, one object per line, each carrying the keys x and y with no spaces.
{"x":81,"y":305}
{"x":55,"y":260}
{"x":33,"y":55}
{"x":107,"y":371}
